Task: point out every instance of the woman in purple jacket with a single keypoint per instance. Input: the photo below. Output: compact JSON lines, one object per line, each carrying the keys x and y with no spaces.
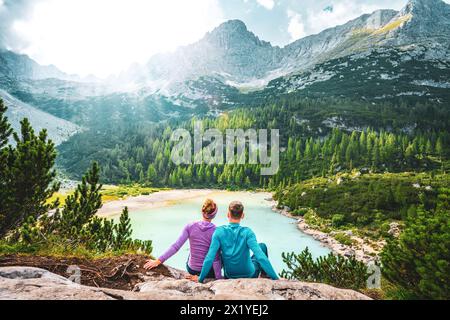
{"x":199,"y":235}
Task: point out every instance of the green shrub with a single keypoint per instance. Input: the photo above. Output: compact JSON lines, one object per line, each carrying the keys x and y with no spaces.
{"x":300,"y":212}
{"x":418,"y":262}
{"x":333,"y":269}
{"x":344,"y":239}
{"x":338,"y":220}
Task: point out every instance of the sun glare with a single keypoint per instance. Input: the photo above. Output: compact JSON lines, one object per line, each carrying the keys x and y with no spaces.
{"x":103,"y":37}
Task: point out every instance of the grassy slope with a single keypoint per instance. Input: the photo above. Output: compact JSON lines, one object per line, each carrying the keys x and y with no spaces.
{"x":367,"y":204}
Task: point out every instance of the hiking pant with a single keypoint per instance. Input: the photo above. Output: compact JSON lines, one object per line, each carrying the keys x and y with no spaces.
{"x":258,"y":268}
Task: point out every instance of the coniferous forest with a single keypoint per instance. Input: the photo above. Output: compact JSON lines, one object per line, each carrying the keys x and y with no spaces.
{"x":141,"y":153}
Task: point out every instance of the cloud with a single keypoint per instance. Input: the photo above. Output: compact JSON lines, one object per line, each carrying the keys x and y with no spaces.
{"x":106,"y":36}
{"x":296,"y":28}
{"x":268,"y":4}
{"x":10,"y":11}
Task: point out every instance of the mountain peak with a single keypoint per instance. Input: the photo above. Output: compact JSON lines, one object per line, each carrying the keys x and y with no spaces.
{"x":426,"y":18}
{"x":233,"y":33}
{"x":230,"y":28}
{"x":417,"y":6}
{"x":422,"y":2}
{"x":233,"y":25}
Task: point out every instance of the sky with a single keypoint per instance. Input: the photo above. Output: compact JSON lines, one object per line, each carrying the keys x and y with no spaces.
{"x":103,"y":37}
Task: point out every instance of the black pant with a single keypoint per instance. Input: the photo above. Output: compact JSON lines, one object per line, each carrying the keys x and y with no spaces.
{"x":211,"y":274}
{"x":258,"y":268}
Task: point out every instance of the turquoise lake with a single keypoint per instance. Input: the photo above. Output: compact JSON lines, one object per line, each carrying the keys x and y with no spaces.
{"x":163,"y":225}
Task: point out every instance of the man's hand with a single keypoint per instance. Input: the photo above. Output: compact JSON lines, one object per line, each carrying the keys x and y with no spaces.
{"x":151,"y":264}
{"x":192,"y":278}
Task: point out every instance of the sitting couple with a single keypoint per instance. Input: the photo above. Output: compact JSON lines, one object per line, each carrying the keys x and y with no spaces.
{"x":230,"y":245}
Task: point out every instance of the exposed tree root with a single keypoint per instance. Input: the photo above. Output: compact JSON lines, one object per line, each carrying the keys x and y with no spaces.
{"x":122,"y":272}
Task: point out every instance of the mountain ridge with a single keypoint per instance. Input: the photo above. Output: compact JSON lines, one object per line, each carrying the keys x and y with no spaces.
{"x":58,"y":130}
{"x":231,"y":66}
{"x":238,"y":58}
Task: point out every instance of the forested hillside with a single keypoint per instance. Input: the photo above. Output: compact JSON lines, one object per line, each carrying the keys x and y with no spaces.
{"x":314,"y":143}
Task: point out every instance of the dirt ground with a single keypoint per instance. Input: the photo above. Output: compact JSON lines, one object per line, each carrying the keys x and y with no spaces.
{"x":115,"y":273}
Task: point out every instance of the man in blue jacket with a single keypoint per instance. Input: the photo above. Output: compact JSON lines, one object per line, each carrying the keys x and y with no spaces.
{"x":234,"y":243}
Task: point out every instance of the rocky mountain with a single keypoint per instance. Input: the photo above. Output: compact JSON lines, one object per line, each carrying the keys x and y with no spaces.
{"x":380,"y":56}
{"x":58,"y":130}
{"x":235,"y":56}
{"x":310,"y":50}
{"x":230,"y":51}
{"x":407,"y":56}
{"x":232,"y":57}
{"x":423,"y":19}
{"x":21,"y":67}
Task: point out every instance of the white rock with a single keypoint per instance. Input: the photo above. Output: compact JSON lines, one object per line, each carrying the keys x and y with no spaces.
{"x":24,"y":283}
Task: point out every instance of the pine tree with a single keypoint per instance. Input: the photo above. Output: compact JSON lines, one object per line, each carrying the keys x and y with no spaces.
{"x":123,"y":231}
{"x":78,"y":224}
{"x":418,"y":262}
{"x":29,"y":233}
{"x":5,"y":133}
{"x":410,"y":154}
{"x":27,"y":178}
{"x":429,"y":148}
{"x":440,"y":151}
{"x":376,"y":155}
{"x":333,"y":269}
{"x":141,"y":176}
{"x":81,"y":206}
{"x":5,"y":127}
{"x":151,"y":175}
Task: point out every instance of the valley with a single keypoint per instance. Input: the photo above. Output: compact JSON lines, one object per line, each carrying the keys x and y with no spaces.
{"x":363,"y":110}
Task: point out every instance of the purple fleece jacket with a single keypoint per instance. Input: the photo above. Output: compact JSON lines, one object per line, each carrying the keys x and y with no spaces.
{"x":199,"y":235}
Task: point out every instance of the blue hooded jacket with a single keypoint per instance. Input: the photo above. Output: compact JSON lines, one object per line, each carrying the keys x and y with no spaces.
{"x":234,"y":243}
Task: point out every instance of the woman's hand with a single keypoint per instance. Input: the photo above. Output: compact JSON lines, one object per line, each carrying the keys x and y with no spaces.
{"x":151,"y":264}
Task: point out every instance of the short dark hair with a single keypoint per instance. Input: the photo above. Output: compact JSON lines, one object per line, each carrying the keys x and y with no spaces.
{"x":236,"y":209}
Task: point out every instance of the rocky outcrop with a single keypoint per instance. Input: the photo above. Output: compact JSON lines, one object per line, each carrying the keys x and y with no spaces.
{"x":394,"y":229}
{"x":249,"y":289}
{"x":363,"y":250}
{"x":27,"y":283}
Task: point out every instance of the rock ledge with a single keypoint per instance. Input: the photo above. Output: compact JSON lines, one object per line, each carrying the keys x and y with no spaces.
{"x":28,"y":283}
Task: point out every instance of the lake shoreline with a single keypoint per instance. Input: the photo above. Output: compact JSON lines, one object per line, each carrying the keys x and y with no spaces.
{"x":161,"y":216}
{"x":362,"y":253}
{"x":163,"y":198}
